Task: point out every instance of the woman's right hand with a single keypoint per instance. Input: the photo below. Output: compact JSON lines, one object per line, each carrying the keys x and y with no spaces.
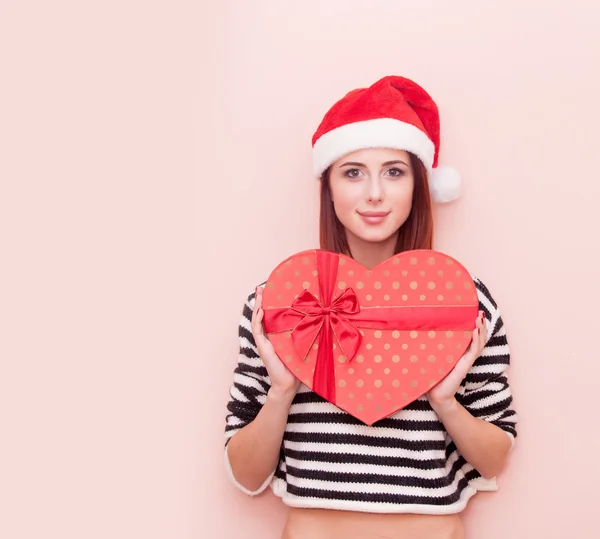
{"x":283,"y":382}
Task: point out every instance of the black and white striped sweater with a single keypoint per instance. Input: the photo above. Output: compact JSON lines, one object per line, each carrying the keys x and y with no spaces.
{"x":405,"y":463}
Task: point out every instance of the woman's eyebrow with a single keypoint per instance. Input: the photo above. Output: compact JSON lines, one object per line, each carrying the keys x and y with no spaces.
{"x":386,"y":164}
{"x":353,"y":164}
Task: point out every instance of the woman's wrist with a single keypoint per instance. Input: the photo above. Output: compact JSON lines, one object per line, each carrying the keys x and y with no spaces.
{"x":283,"y":396}
{"x":444,"y":407}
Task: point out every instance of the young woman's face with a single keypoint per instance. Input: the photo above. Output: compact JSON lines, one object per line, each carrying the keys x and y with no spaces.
{"x":372,"y":192}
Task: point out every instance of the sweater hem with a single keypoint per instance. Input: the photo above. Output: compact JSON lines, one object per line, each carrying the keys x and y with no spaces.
{"x":278,"y":486}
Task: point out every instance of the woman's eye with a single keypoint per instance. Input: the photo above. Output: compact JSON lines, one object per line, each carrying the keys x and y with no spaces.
{"x":396,"y":172}
{"x":352,"y":173}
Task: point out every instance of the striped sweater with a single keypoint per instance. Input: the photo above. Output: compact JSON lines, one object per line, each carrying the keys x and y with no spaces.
{"x":405,"y":463}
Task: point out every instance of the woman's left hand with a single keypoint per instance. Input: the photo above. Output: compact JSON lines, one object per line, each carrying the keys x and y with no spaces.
{"x":443,"y":393}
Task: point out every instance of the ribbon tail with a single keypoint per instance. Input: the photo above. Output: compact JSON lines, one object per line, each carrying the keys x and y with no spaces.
{"x":324,"y":377}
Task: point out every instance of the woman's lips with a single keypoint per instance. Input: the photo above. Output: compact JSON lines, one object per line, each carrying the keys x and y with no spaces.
{"x":374,"y":217}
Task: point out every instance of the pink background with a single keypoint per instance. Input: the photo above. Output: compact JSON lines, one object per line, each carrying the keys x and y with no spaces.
{"x":155,"y":166}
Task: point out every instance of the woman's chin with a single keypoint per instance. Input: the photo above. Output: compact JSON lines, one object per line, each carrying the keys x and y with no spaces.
{"x":373,"y":236}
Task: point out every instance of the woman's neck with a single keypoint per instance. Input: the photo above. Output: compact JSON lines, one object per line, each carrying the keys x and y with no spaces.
{"x":370,"y":254}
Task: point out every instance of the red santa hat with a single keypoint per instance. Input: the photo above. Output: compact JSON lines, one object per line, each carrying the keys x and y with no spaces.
{"x":395,"y":112}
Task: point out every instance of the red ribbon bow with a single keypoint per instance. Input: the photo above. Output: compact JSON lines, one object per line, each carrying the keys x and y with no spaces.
{"x":326,"y":321}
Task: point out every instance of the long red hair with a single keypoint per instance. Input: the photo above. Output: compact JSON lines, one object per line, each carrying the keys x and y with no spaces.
{"x":415,"y":233}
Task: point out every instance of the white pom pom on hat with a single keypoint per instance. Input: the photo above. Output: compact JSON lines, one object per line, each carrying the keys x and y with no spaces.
{"x":444,"y":184}
{"x":394,"y":112}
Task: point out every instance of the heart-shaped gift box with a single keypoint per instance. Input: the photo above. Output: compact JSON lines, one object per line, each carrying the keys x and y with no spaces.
{"x":370,"y":341}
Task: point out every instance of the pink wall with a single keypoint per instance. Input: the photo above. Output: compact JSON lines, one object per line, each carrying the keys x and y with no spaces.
{"x":155,"y":165}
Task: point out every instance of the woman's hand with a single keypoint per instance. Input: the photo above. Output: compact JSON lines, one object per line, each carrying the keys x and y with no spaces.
{"x":442,"y":395}
{"x":283,"y":382}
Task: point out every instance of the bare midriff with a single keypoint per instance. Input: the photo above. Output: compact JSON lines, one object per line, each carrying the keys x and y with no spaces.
{"x":333,"y":524}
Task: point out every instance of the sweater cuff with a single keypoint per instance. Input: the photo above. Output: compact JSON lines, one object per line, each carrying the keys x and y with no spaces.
{"x":512,"y":439}
{"x":238,"y":484}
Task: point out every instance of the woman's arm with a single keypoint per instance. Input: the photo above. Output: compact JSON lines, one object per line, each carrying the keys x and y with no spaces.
{"x":484,"y":445}
{"x":474,"y":400}
{"x":260,"y":398}
{"x":253,"y":452}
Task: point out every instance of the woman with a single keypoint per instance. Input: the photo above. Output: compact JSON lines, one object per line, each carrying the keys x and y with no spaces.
{"x":411,"y":474}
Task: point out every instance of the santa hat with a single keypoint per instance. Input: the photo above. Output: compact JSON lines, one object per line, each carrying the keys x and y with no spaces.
{"x":395,"y":112}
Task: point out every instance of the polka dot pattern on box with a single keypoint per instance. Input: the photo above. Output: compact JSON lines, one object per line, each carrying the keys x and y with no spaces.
{"x":391,"y":367}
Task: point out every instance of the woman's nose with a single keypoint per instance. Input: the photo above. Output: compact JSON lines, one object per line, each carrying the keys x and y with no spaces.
{"x":375,"y":193}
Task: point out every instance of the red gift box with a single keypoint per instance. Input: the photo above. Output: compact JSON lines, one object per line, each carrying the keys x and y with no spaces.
{"x":370,"y":341}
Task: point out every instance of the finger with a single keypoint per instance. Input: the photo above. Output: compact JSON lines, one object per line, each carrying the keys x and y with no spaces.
{"x":258,"y":334}
{"x":254,"y":323}
{"x":255,"y":327}
{"x":466,"y":361}
{"x":477,"y":333}
{"x":483,"y":324}
{"x":479,"y":338}
{"x":257,"y":302}
{"x":470,"y":347}
{"x":480,"y":319}
{"x":475,"y":338}
{"x":480,"y":326}
{"x":461,"y":369}
{"x":258,"y":298}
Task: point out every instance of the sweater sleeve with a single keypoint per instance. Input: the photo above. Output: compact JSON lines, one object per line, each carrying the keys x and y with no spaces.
{"x":485,"y":392}
{"x":248,"y":391}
